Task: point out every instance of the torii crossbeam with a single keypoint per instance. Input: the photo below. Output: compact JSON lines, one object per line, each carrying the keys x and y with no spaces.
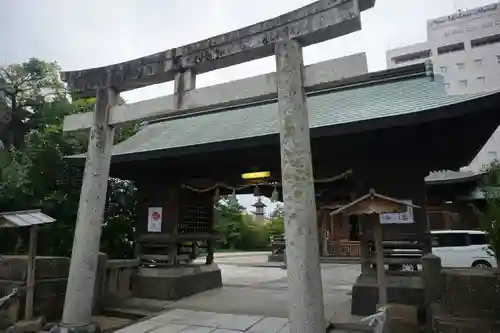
{"x":283,"y":36}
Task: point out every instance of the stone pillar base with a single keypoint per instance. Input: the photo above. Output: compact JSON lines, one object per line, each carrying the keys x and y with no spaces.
{"x":173,"y":283}
{"x":402,"y":289}
{"x":62,"y":328}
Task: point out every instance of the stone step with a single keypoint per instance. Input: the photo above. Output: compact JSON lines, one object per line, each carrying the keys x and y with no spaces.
{"x":349,"y":327}
{"x":127,"y":313}
{"x":153,"y":305}
{"x":443,"y":322}
{"x":466,"y":326}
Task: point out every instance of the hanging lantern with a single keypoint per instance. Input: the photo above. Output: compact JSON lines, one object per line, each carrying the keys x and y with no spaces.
{"x":275,"y":196}
{"x":217,"y":194}
{"x":256,"y":191}
{"x":233,"y":197}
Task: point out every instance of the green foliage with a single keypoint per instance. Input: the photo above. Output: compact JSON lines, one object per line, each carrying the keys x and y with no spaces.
{"x":35,"y":174}
{"x":24,"y":90}
{"x":490,"y":218}
{"x":229,"y":222}
{"x":119,"y":219}
{"x":253,"y":236}
{"x":276,"y":225}
{"x":238,"y":230}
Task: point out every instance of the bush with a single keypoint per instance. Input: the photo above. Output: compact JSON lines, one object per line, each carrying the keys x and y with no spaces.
{"x":253,"y":237}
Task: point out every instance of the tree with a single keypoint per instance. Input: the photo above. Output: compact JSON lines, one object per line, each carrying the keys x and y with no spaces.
{"x":36,"y":175}
{"x":229,"y":222}
{"x":490,"y":219}
{"x":119,"y":219}
{"x":24,"y":89}
{"x":276,"y":225}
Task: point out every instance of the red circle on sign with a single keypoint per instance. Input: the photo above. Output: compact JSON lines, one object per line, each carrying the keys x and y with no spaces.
{"x":155,"y":216}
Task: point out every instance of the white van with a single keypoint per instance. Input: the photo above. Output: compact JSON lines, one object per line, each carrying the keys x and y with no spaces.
{"x":462,"y":248}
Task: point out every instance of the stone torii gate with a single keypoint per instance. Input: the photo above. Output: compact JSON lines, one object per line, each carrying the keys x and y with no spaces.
{"x":283,"y":36}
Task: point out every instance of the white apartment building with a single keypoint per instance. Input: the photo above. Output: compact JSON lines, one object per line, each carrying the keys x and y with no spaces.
{"x":465,"y":49}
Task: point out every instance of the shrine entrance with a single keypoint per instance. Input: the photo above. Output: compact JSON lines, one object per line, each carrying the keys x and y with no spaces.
{"x":199,"y":142}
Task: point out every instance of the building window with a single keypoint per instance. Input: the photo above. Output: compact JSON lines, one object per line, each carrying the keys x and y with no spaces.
{"x":463,"y":83}
{"x":451,"y":48}
{"x":481,"y":80}
{"x":412,"y":56}
{"x":444,"y":69}
{"x":447,"y":85}
{"x":498,"y":59}
{"x":493,"y":39}
{"x":492,"y":155}
{"x":478,"y":63}
{"x":461,"y":66}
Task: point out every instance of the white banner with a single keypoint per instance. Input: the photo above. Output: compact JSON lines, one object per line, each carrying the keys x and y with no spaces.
{"x":155,"y":215}
{"x":406,"y":217}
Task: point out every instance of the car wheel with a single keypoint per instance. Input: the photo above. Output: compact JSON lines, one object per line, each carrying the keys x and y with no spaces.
{"x":481,"y":264}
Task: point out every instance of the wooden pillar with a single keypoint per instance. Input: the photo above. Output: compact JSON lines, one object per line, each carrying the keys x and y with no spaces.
{"x":30,"y":281}
{"x":379,"y":254}
{"x":363,"y":245}
{"x":211,"y":242}
{"x":423,"y":216}
{"x":173,"y":195}
{"x":324,"y":227}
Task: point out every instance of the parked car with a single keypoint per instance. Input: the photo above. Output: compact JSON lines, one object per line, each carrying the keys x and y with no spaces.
{"x":462,"y":248}
{"x":456,"y":248}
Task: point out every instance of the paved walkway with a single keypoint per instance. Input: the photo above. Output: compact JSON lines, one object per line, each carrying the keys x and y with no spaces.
{"x":186,"y":321}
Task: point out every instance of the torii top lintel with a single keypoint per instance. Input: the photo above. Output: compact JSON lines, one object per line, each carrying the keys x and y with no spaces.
{"x":314,"y":23}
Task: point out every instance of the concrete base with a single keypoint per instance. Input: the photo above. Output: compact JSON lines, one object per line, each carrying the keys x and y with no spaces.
{"x":91,"y":328}
{"x":26,"y":326}
{"x":176,"y":282}
{"x":324,"y":260}
{"x":402,"y":289}
{"x":275,"y":258}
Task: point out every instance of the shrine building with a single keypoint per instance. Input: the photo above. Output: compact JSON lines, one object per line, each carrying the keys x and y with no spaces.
{"x":383,"y":130}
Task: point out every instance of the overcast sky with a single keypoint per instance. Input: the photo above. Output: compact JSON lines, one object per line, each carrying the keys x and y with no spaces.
{"x":83,"y":34}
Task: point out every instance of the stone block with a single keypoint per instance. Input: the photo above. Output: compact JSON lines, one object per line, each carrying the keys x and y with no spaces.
{"x":14,"y":268}
{"x":403,"y":313}
{"x":48,"y":302}
{"x":26,"y":326}
{"x":276,"y":258}
{"x":472,"y":293}
{"x":401,"y":326}
{"x":176,"y":282}
{"x":406,"y":290}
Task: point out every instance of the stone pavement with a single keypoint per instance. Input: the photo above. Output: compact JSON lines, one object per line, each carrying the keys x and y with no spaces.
{"x":186,"y":321}
{"x":264,"y":291}
{"x":253,"y":299}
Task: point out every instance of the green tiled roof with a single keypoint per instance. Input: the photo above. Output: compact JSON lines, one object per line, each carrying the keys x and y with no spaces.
{"x":363,"y":101}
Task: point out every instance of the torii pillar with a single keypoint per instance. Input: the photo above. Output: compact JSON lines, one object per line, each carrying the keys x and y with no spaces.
{"x":305,"y":302}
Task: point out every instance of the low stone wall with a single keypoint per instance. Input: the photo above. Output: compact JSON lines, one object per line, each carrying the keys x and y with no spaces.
{"x":50,"y":286}
{"x":472,"y":293}
{"x":470,"y":301}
